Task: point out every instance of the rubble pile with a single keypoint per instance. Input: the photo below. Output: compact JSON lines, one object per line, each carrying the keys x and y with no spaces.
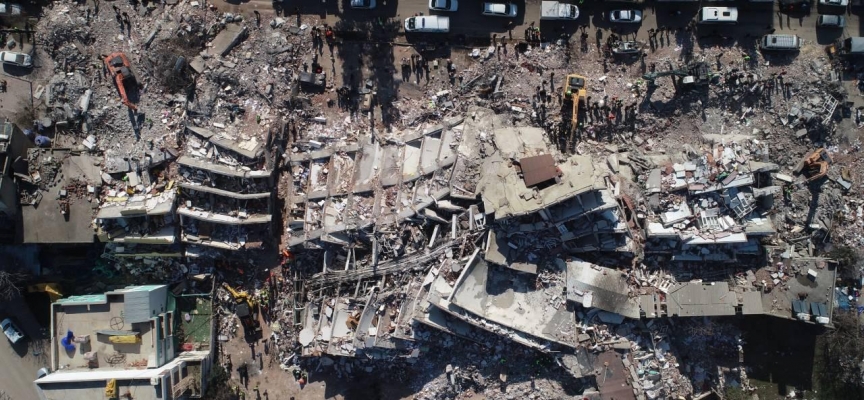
{"x":525,"y":218}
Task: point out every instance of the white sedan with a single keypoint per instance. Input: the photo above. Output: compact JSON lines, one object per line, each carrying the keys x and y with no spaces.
{"x":443,"y":5}
{"x":835,"y":3}
{"x":625,"y":16}
{"x":508,"y":10}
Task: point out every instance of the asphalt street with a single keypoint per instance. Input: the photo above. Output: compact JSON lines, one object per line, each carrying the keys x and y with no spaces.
{"x":754,"y":17}
{"x":21,"y":361}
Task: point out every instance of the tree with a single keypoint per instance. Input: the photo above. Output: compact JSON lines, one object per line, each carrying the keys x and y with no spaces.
{"x":849,"y":261}
{"x":843,"y":354}
{"x":10,"y":288}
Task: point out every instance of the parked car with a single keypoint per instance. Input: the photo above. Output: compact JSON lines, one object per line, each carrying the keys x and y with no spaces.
{"x":780,"y":43}
{"x":795,"y":6}
{"x":831,"y":21}
{"x":508,"y":10}
{"x":428,"y":24}
{"x":10,"y":9}
{"x":19,"y":59}
{"x":363,"y":4}
{"x":625,"y":16}
{"x":443,"y":5}
{"x":12,"y":331}
{"x":718,"y":15}
{"x":835,"y":3}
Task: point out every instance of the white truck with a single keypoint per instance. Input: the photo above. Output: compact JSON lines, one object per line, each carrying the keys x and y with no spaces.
{"x":428,"y":24}
{"x":558,"y":10}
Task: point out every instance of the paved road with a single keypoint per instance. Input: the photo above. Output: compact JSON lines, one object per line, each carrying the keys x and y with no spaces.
{"x":754,"y":18}
{"x":18,"y":363}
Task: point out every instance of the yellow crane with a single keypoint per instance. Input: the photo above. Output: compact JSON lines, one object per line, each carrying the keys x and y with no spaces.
{"x":246,"y":309}
{"x":575,"y":92}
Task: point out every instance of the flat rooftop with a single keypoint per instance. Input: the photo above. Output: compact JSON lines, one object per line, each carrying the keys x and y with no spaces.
{"x":86,"y":320}
{"x":598,"y":287}
{"x":792,"y":281}
{"x":198,"y":328}
{"x":111,"y":331}
{"x":701,"y":299}
{"x":504,"y":191}
{"x":90,"y":390}
{"x":510,"y":298}
{"x":44,"y":223}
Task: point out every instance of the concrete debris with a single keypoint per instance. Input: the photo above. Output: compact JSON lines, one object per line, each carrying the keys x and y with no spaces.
{"x":377,"y":204}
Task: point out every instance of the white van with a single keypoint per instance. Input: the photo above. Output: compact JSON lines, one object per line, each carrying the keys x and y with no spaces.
{"x":780,"y":42}
{"x":428,"y":23}
{"x":718,"y":15}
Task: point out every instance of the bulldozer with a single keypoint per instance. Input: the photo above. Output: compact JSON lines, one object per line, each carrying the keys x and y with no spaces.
{"x":120,"y":68}
{"x":575,"y":93}
{"x":246,"y":309}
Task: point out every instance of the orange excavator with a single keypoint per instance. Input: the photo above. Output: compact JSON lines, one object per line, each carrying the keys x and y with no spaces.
{"x":121,"y":69}
{"x":815,"y":165}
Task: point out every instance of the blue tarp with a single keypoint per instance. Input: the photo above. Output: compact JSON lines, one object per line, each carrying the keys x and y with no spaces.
{"x":842,"y":300}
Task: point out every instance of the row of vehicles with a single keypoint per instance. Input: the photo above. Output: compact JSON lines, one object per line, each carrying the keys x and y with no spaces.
{"x":729,"y":15}
{"x":549,"y":10}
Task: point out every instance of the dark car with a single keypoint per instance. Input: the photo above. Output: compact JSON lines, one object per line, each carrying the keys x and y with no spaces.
{"x":791,"y":6}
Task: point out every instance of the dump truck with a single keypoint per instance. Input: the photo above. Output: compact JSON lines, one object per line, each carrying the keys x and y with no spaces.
{"x":552,"y":10}
{"x":120,"y":69}
{"x":575,"y":93}
{"x":246,"y":308}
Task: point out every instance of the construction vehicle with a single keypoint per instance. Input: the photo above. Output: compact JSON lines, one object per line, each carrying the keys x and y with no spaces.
{"x":815,"y":165}
{"x":121,"y":69}
{"x":695,"y":73}
{"x":574,"y":92}
{"x":246,"y":309}
{"x":51,"y":289}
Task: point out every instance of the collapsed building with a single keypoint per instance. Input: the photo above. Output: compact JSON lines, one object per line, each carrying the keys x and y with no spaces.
{"x":226,"y":192}
{"x":713,"y":208}
{"x":466,"y":224}
{"x":487,"y":230}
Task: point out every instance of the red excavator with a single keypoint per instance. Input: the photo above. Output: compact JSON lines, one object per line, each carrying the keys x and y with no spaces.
{"x":121,"y":69}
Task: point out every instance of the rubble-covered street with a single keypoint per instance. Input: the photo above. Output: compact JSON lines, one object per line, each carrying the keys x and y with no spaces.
{"x":313,"y":201}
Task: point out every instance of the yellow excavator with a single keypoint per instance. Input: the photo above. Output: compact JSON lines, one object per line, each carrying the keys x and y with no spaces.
{"x":51,"y":289}
{"x":246,"y":309}
{"x":574,"y":92}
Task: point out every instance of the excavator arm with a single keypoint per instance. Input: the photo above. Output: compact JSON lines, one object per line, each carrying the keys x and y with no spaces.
{"x":575,"y":113}
{"x":651,"y":76}
{"x":118,"y":79}
{"x":238,"y":296}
